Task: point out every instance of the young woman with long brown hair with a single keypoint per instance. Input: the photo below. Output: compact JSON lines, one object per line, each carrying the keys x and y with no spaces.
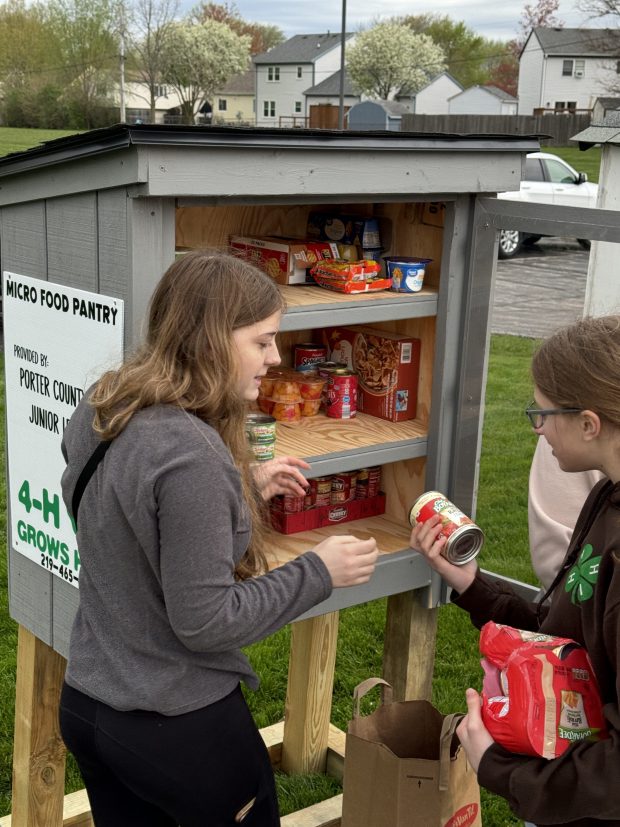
{"x":174,"y":577}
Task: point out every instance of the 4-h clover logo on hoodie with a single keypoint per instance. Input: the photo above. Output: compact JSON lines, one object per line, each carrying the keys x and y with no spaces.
{"x":583,"y":576}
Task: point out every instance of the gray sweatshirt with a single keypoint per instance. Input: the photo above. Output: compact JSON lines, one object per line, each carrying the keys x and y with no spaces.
{"x":161,"y":526}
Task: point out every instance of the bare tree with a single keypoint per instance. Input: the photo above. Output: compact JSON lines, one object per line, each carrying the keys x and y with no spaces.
{"x":150,"y":24}
{"x":533,"y":16}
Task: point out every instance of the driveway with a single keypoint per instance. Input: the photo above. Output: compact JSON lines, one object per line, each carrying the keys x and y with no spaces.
{"x":540,"y":289}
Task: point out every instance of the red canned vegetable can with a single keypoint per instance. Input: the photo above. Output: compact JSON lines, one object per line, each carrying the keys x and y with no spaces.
{"x":308,"y":353}
{"x":464,"y":537}
{"x":341,"y":395}
{"x":289,"y":503}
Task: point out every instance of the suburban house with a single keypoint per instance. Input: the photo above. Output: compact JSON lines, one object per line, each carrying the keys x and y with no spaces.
{"x":234,"y":102}
{"x":482,"y":100}
{"x":286,"y":72}
{"x":138,"y":106}
{"x":432,"y":99}
{"x":323,"y":101}
{"x":567,"y":69}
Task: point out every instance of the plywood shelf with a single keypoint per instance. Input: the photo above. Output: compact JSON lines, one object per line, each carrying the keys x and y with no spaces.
{"x":332,"y":445}
{"x":392,"y":536}
{"x":308,"y":306}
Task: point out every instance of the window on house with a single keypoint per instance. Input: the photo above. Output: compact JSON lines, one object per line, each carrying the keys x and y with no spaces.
{"x":560,"y":106}
{"x":297,"y":107}
{"x":567,"y":68}
{"x":222,"y":104}
{"x":160,"y":91}
{"x":269,"y":109}
{"x":580,"y":68}
{"x":571,"y":106}
{"x":273,"y":73}
{"x":300,"y":71}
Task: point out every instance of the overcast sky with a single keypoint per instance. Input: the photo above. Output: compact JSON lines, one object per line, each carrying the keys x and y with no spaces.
{"x":496,"y":20}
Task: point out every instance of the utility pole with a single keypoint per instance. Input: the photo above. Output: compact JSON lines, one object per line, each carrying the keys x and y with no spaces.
{"x":122,"y":61}
{"x":343,"y":38}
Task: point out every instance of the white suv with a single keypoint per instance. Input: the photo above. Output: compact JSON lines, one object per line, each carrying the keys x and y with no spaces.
{"x":548,"y":180}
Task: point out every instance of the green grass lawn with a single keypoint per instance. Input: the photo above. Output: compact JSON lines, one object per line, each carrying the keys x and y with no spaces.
{"x":16,"y":140}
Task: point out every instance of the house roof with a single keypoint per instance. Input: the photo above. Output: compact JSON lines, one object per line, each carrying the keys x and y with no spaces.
{"x":394,"y":108}
{"x":331,"y":86}
{"x":436,"y":78}
{"x":302,"y":48}
{"x":608,"y":103}
{"x":241,"y":84}
{"x":492,"y":90}
{"x":578,"y":42}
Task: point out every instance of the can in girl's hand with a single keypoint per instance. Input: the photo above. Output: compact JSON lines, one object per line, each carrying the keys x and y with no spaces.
{"x":464,"y":537}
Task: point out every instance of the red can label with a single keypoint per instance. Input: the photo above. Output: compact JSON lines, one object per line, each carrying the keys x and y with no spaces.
{"x":323,"y":490}
{"x":341,"y":396}
{"x":289,"y":503}
{"x":308,"y":354}
{"x":310,"y":498}
{"x":464,"y":538}
{"x":343,"y":487}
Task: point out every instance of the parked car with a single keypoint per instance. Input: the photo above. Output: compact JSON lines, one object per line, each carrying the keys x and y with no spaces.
{"x":548,"y":180}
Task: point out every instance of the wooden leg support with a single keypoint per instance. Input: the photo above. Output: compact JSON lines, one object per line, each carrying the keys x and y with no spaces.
{"x":409,"y":653}
{"x":309,"y":694}
{"x":38,"y":753}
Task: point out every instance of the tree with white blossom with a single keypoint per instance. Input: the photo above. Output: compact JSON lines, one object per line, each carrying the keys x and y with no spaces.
{"x":389,"y":58}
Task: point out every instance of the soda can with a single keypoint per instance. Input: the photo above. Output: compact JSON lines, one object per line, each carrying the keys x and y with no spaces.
{"x":464,"y":537}
{"x":308,"y":353}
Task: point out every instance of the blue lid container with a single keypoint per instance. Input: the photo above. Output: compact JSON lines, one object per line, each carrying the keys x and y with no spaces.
{"x":407,"y":273}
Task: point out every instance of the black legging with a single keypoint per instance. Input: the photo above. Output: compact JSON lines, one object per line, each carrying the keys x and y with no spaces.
{"x":143,"y":769}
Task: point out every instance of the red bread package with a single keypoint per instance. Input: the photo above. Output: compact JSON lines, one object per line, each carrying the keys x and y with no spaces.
{"x":539,"y":692}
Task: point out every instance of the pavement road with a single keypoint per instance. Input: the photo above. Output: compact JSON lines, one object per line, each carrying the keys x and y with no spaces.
{"x":542,"y":288}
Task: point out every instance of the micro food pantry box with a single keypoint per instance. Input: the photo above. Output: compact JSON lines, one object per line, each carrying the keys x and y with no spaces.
{"x":387,"y":367}
{"x":287,"y":260}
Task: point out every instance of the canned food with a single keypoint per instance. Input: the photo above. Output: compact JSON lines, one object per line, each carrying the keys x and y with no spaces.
{"x":289,"y":503}
{"x":308,"y":353}
{"x":341,"y":395}
{"x":367,"y":482}
{"x":323,"y":490}
{"x":464,"y":537}
{"x":260,"y":430}
{"x":310,"y":498}
{"x":343,"y":487}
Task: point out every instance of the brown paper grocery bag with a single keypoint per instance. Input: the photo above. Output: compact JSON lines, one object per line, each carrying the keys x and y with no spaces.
{"x":404,"y":767}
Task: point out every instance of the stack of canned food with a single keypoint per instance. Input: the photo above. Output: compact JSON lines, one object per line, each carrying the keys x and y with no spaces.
{"x":332,"y":490}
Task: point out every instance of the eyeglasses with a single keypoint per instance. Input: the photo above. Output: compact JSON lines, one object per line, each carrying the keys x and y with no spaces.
{"x":537,"y":415}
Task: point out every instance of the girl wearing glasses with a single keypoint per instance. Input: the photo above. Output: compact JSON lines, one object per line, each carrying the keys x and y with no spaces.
{"x":576,"y":409}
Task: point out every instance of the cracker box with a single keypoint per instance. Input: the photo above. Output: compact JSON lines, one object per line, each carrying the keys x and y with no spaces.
{"x":286,"y":260}
{"x":387,"y":367}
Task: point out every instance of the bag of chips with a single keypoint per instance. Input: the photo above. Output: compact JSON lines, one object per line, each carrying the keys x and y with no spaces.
{"x":539,"y":692}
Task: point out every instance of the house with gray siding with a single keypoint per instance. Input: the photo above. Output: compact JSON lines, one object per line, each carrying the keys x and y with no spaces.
{"x":286,"y":72}
{"x":567,"y":69}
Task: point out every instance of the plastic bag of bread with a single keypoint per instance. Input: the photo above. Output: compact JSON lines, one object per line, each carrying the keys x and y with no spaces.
{"x":539,"y":692}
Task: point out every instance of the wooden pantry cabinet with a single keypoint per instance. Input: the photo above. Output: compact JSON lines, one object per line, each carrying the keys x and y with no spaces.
{"x":105,"y":211}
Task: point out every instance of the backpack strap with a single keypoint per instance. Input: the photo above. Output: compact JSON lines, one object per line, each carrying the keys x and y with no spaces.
{"x":85,"y":475}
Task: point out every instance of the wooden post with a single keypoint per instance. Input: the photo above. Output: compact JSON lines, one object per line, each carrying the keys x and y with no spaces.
{"x":409,"y":650}
{"x":309,"y":694}
{"x":38,"y":752}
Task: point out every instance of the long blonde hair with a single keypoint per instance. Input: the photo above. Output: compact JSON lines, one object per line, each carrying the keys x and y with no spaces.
{"x":188,"y":359}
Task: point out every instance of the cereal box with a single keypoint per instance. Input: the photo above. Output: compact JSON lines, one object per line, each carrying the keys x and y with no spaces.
{"x":287,"y":260}
{"x":387,"y":367}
